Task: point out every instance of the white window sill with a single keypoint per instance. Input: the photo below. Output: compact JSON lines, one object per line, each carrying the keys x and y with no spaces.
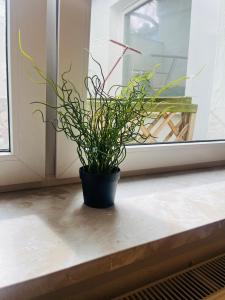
{"x":49,"y":230}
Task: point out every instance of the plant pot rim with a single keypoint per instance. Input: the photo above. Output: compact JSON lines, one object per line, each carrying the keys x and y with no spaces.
{"x":82,"y":171}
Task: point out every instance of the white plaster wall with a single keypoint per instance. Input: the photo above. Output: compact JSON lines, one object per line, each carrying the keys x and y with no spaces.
{"x":216,"y":128}
{"x":204,"y":38}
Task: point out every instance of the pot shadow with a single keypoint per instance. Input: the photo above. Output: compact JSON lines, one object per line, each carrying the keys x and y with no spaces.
{"x":88,"y":232}
{"x":61,"y":211}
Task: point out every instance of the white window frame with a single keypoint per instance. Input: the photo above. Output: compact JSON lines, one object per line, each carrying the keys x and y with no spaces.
{"x":74,"y":25}
{"x":26,"y":160}
{"x":26,"y":163}
{"x":74,"y":37}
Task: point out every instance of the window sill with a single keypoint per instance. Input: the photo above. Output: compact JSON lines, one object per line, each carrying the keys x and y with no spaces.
{"x":49,"y":240}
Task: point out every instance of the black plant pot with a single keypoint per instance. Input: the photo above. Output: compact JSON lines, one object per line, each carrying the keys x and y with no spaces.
{"x":99,"y":189}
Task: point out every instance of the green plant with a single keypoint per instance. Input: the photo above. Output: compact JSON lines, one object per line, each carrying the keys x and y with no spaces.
{"x":103,"y":125}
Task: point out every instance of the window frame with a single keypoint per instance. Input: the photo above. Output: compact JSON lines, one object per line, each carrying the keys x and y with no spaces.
{"x":26,"y":163}
{"x":26,"y":160}
{"x":139,"y":158}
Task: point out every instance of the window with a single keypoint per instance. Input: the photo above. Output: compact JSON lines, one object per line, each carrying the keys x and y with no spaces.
{"x":196,"y":48}
{"x":4,"y":122}
{"x":160,"y":30}
{"x":25,"y":162}
{"x":201,"y":56}
{"x":176,"y":35}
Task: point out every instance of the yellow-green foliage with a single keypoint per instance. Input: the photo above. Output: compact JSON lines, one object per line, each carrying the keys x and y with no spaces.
{"x":102,"y":126}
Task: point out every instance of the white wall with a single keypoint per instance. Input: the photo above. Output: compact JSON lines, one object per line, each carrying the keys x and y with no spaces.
{"x":216,"y":128}
{"x":204,"y":38}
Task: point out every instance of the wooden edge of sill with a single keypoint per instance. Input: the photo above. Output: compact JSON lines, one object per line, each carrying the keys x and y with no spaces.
{"x":73,"y":275}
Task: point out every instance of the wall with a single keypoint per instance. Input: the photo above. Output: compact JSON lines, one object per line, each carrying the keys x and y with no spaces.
{"x":204,"y":38}
{"x":216,"y":128}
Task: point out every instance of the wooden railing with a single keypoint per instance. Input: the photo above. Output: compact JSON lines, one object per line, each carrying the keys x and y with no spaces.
{"x":174,"y":120}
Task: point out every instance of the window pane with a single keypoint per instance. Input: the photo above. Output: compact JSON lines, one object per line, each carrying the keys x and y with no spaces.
{"x":183,"y":41}
{"x":4,"y":127}
{"x":149,"y":28}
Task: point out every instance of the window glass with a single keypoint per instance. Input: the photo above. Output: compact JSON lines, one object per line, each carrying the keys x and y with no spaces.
{"x":160,"y":30}
{"x":4,"y":126}
{"x":130,"y":38}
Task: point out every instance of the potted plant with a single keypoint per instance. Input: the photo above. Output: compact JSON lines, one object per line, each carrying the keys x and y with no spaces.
{"x":102,"y":124}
